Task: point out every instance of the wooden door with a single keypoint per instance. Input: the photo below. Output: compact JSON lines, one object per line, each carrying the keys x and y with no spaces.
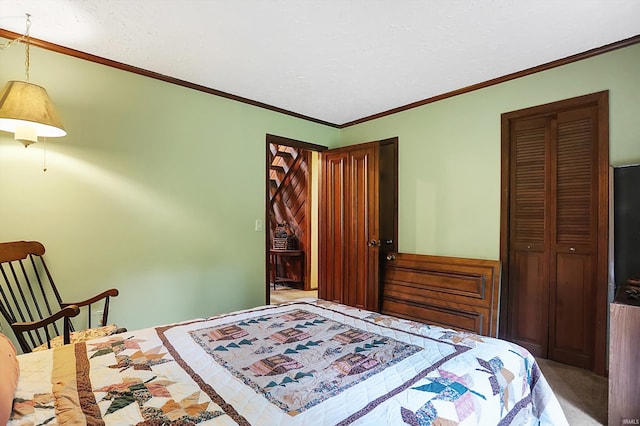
{"x":574,"y":244}
{"x":528,"y":265}
{"x":333,"y":230}
{"x":362,"y":286}
{"x":351,"y":219}
{"x":556,"y":161}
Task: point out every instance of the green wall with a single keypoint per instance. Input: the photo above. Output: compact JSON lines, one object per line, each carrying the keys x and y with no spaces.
{"x":155,"y":190}
{"x":449,"y":151}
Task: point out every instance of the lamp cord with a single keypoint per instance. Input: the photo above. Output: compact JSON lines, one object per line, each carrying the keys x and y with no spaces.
{"x":25,"y":39}
{"x":27,"y":61}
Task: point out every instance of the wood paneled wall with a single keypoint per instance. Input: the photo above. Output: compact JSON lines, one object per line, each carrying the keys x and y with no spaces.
{"x":290,"y":197}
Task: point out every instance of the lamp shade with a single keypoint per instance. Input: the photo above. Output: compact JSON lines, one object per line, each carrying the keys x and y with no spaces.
{"x":27,"y":111}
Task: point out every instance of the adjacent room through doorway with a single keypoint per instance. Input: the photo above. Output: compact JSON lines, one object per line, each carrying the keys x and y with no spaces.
{"x":292,"y":219}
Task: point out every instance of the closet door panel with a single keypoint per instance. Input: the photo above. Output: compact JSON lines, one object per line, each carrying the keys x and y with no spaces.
{"x":576,"y":179}
{"x":574,"y":238}
{"x":528,"y":300}
{"x":571,"y":341}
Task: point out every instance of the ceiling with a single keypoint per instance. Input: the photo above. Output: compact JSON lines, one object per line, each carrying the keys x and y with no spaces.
{"x":332,"y":60}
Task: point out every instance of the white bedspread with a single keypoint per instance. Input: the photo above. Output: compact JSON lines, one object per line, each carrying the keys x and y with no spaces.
{"x":304,"y":363}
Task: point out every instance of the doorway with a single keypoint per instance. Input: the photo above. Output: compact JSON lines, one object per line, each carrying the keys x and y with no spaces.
{"x":291,"y":218}
{"x":554,"y":230}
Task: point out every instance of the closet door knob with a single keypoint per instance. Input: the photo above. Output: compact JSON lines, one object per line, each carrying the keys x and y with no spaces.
{"x":572,"y":249}
{"x":390,"y":257}
{"x":373,"y":243}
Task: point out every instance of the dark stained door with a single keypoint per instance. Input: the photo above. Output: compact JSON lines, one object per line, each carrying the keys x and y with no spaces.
{"x":351,"y":218}
{"x":364,"y":238}
{"x":333,"y":227}
{"x":528,"y":266}
{"x":557,"y":231}
{"x":574,"y":244}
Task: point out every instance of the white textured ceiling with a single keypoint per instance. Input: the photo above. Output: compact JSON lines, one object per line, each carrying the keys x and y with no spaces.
{"x":332,"y":60}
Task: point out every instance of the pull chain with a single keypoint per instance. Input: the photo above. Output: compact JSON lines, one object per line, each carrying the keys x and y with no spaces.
{"x":44,"y":156}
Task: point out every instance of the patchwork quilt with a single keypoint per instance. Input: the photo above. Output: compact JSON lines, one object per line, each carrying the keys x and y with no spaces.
{"x":301,"y":363}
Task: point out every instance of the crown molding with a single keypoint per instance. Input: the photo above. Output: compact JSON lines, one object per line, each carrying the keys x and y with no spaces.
{"x":146,"y":73}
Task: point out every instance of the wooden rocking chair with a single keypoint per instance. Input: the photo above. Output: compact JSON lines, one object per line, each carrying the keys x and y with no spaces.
{"x":31,"y":303}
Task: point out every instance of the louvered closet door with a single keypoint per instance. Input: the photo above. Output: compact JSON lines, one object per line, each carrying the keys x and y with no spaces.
{"x":553,"y":235}
{"x":573,"y":251}
{"x":554,"y":239}
{"x":528,"y":265}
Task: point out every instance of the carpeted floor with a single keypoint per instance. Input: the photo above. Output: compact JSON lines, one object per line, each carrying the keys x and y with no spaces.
{"x":284,"y":294}
{"x":582,"y":394}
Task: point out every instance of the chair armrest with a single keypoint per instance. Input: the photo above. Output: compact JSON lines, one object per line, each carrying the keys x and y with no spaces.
{"x":104,"y":295}
{"x":20,"y":328}
{"x":108,"y":293}
{"x":69,"y":312}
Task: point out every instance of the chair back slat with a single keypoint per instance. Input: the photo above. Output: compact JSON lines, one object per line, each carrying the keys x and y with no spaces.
{"x":27,"y":288}
{"x":36,"y":267}
{"x":7,"y":313}
{"x":21,"y":304}
{"x":41,"y":285}
{"x":14,"y":312}
{"x":19,"y":307}
{"x":49,"y":277}
{"x":27,"y":283}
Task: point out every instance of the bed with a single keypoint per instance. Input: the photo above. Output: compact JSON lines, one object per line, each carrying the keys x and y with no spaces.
{"x":308,"y":362}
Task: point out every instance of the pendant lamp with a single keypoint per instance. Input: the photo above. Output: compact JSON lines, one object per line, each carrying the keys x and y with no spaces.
{"x":26,"y":109}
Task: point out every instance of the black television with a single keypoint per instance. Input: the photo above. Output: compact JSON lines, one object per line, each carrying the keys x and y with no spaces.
{"x":626,"y":223}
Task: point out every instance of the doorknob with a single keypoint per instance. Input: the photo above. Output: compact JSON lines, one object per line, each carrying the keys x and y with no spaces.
{"x":373,"y":243}
{"x":391,"y":257}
